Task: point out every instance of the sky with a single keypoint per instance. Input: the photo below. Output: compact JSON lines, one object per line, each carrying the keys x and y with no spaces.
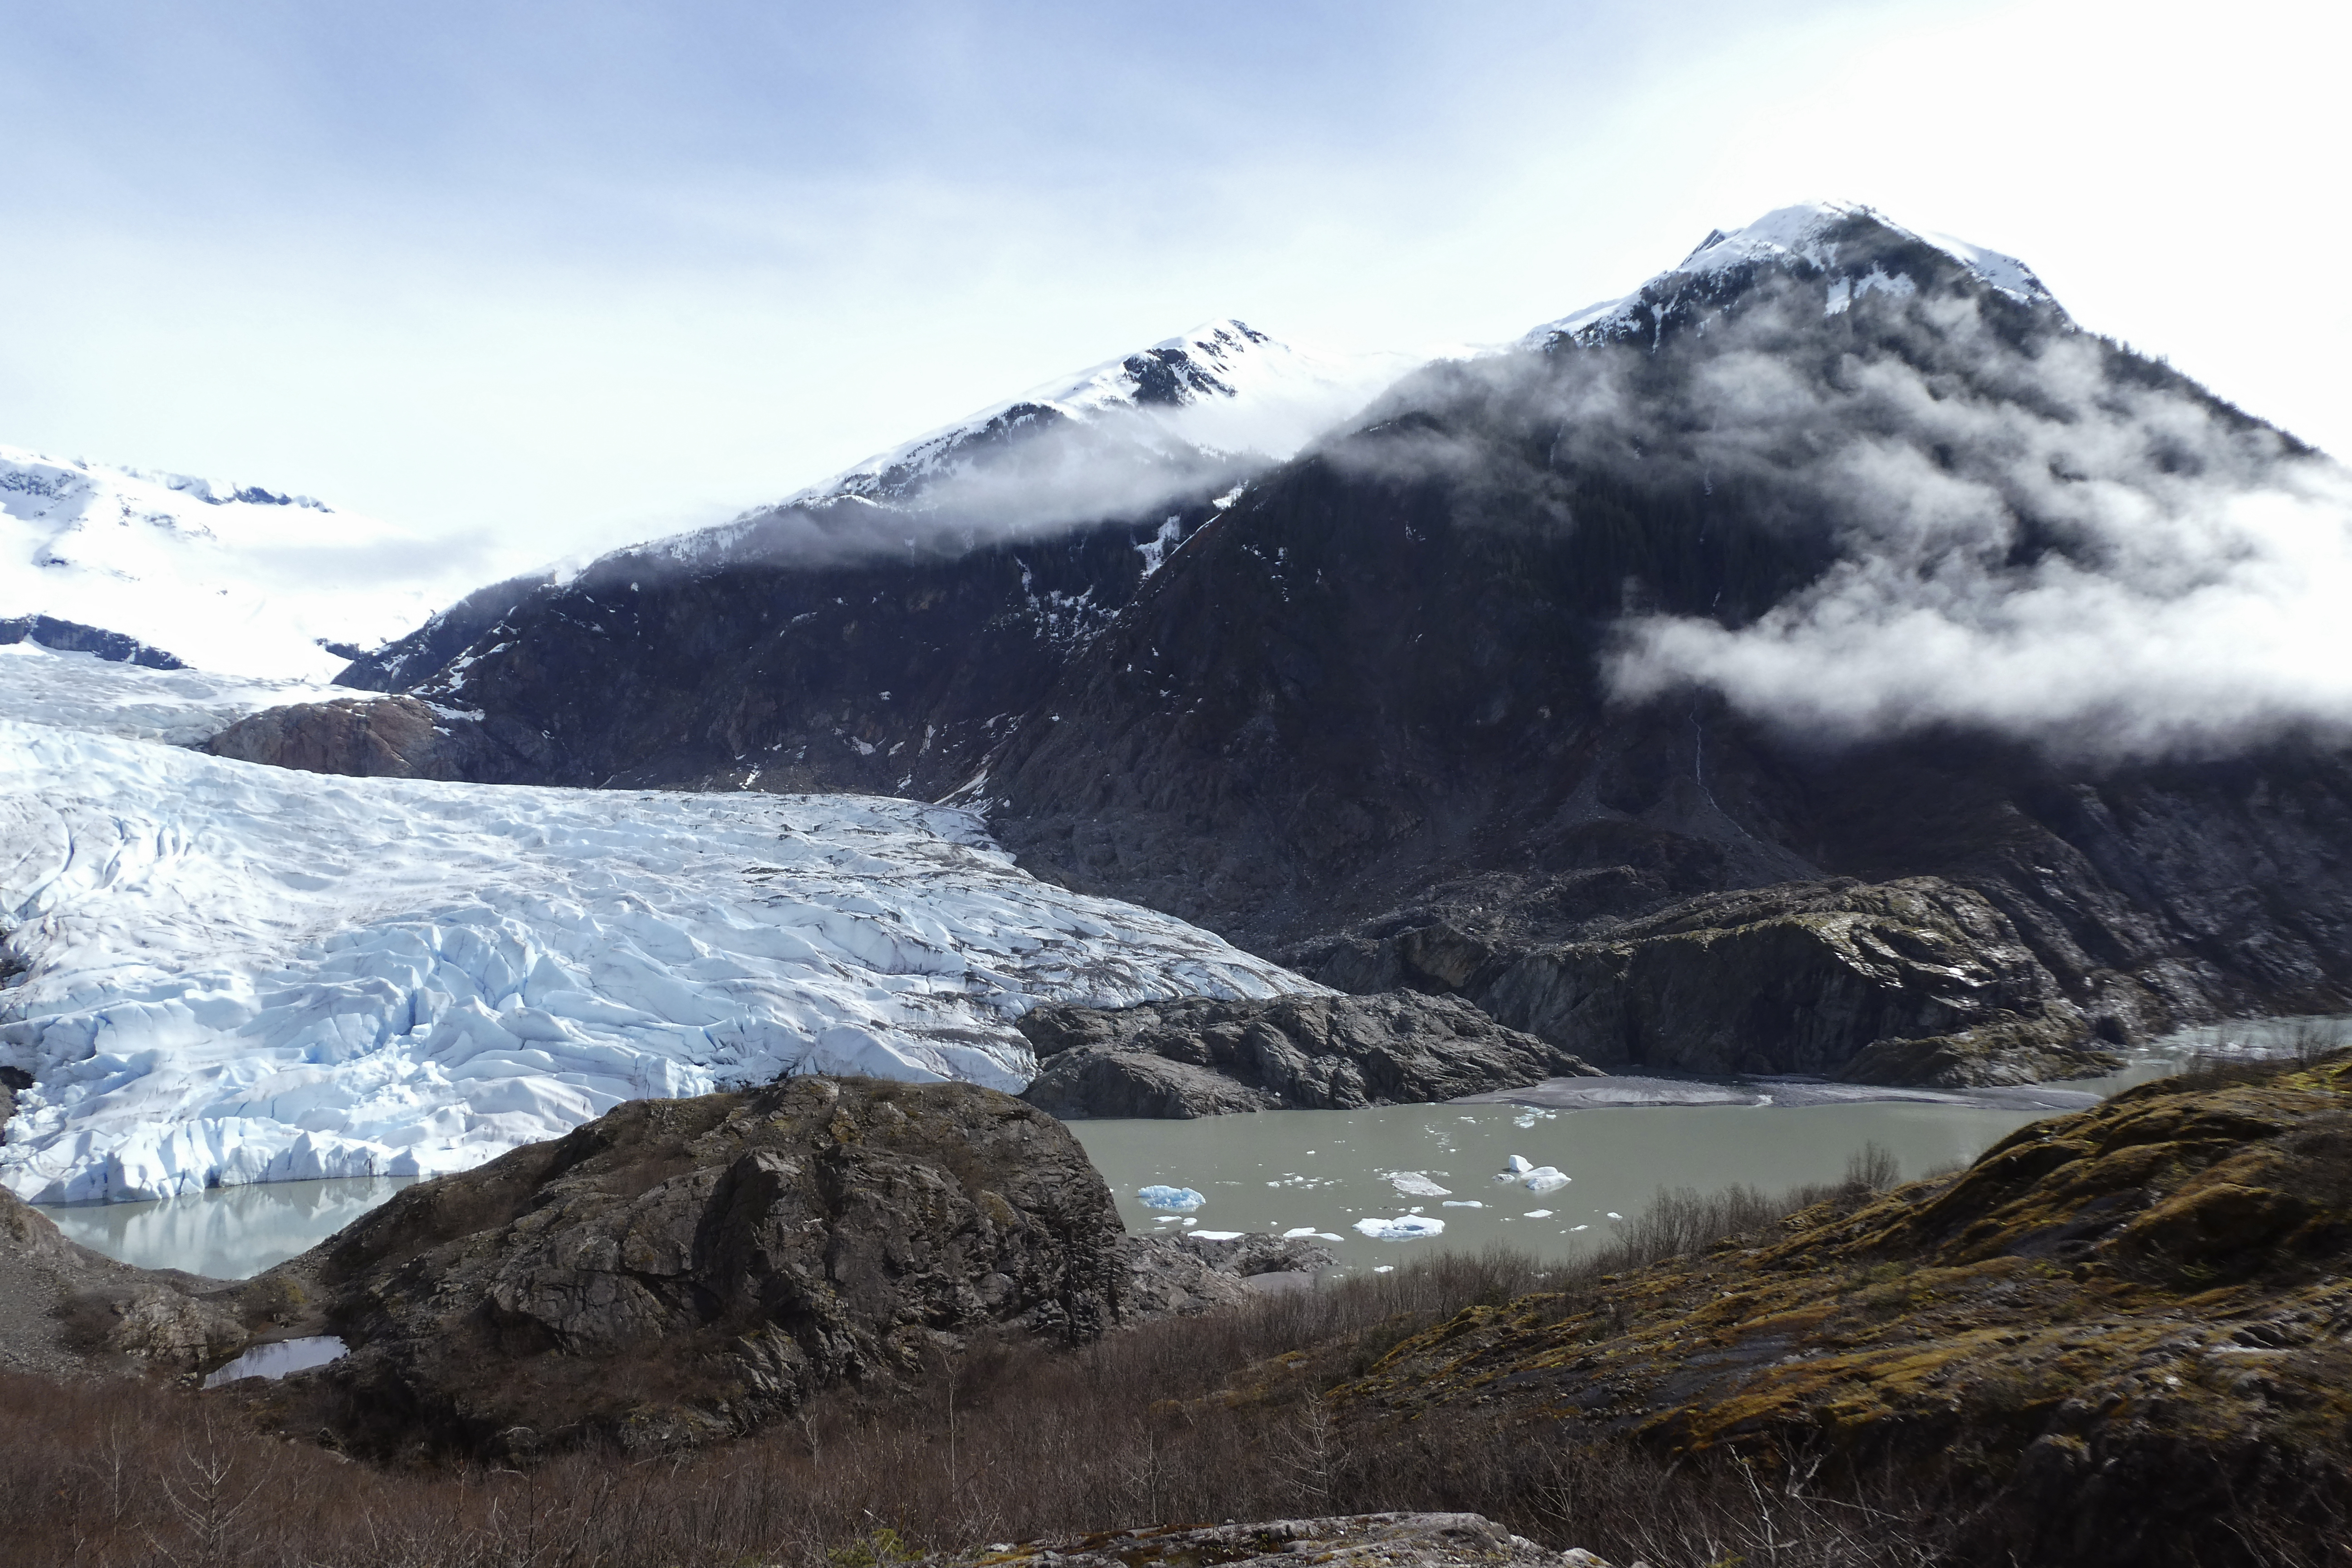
{"x":548,"y":278}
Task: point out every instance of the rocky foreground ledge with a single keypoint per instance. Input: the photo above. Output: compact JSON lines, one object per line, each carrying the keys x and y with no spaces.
{"x":2121,"y":1337}
{"x":1355,"y":1540}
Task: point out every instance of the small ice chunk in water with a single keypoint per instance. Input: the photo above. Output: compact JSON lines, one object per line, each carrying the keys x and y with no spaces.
{"x":1218,"y":1235}
{"x":1413,"y":1184}
{"x":1615,"y":1216}
{"x":1461,"y":1204}
{"x":1404,"y":1227}
{"x":1514,"y":1168}
{"x":276,"y":1359}
{"x":1545,"y":1179}
{"x":1296,"y":1231}
{"x":1157,"y":1197}
{"x":1574,"y":1229}
{"x":1537,"y":1214}
{"x":1385,"y":1268}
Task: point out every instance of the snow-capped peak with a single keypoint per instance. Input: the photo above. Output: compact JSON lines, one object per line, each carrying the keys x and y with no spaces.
{"x":1224,"y":388}
{"x":1841,"y":239}
{"x":231,"y":577}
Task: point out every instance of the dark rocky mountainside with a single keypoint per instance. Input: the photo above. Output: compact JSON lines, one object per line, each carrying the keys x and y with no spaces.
{"x":1374,"y":715}
{"x":2116,"y":1339}
{"x":1373,"y":698}
{"x":753,"y":668}
{"x":1200,"y":1057}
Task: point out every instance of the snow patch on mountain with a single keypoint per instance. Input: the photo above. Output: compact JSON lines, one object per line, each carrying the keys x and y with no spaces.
{"x":1804,"y":234}
{"x":234,"y":578}
{"x":1224,"y":388}
{"x":238,"y":974}
{"x":1189,"y":417}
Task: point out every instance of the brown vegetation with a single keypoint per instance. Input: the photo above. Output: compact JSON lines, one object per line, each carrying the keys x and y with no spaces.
{"x":1188,"y":1419}
{"x":1915,"y":1376}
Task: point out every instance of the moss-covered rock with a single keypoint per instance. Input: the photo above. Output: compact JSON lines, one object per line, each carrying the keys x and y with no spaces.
{"x":2106,"y":1329}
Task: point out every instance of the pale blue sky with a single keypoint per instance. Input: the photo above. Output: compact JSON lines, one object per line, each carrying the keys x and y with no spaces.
{"x":568,"y":273}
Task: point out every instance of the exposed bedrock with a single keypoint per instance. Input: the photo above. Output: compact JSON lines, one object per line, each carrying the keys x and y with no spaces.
{"x":1200,"y":1057}
{"x":377,"y":737}
{"x":1915,"y":982}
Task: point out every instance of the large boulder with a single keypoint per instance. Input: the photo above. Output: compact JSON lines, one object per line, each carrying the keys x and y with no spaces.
{"x":1202,"y":1056}
{"x":684,"y":1269}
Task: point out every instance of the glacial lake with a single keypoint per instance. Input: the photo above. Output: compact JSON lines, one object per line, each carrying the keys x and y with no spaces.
{"x":1326,"y":1171}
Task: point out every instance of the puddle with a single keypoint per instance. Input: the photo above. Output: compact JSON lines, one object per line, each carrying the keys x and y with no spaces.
{"x":276,"y":1359}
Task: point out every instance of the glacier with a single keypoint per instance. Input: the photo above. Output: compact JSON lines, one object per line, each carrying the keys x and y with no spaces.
{"x":233,"y":974}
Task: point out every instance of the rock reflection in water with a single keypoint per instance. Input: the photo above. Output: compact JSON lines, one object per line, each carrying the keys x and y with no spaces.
{"x":228,"y":1233}
{"x":278,"y":1358}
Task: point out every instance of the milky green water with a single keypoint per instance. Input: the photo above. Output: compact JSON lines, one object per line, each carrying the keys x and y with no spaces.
{"x":1328,"y":1170}
{"x":1321,"y":1171}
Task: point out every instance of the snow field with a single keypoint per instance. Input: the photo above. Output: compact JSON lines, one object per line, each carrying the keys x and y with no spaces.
{"x":240,"y":973}
{"x":232,"y":578}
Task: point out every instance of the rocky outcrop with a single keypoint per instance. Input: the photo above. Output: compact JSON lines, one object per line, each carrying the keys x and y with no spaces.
{"x":681,"y":1269}
{"x":64,"y":1307}
{"x":1916,"y":982}
{"x":1200,"y":1057}
{"x":1184,"y":1276}
{"x":1359,"y":1540}
{"x":364,"y":737}
{"x":72,"y":637}
{"x":2117,"y":1338}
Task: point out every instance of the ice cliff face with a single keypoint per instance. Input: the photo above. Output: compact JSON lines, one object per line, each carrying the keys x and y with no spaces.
{"x":234,"y":578}
{"x":235,"y":974}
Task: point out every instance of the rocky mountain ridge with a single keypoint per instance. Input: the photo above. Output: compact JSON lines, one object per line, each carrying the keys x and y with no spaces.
{"x":1446,"y":673}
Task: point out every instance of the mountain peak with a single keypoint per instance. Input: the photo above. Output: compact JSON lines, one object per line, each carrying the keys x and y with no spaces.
{"x":1224,"y":388}
{"x":1846,"y":245}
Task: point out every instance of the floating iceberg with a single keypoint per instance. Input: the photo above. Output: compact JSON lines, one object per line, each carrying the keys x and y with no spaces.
{"x":1414,"y":1183}
{"x":1177,"y":1198}
{"x":1404,"y":1227}
{"x":1535,"y":1178}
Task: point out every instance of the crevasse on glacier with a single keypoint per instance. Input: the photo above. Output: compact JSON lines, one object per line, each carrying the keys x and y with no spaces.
{"x":241,"y":974}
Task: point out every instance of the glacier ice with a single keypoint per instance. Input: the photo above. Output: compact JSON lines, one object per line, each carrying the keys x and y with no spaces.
{"x":1157,"y":1197}
{"x":1404,"y":1227}
{"x":243,"y":973}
